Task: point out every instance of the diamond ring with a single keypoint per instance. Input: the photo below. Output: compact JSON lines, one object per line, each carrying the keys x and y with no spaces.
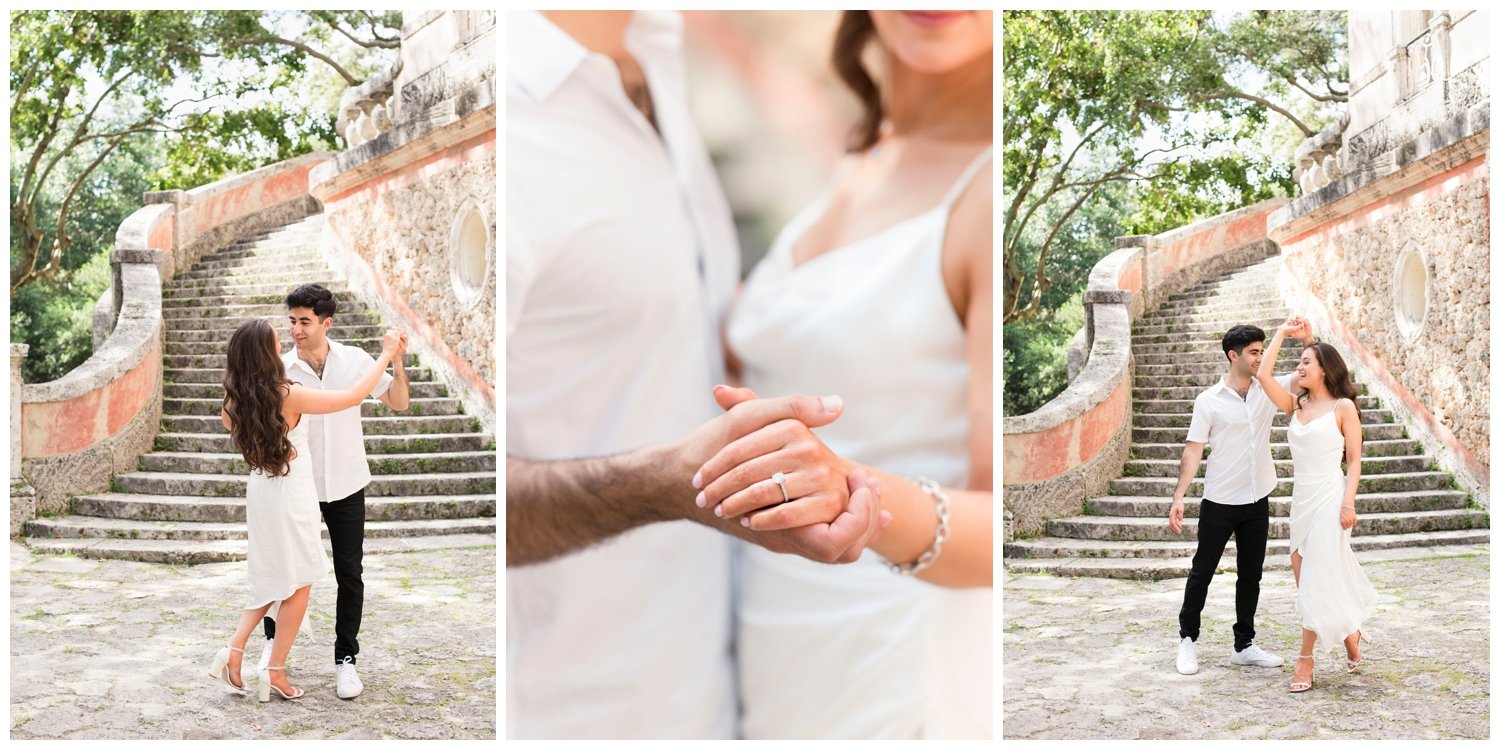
{"x":780,"y":480}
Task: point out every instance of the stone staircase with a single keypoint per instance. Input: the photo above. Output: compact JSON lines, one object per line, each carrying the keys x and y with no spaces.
{"x":433,"y":469}
{"x":1407,"y":505}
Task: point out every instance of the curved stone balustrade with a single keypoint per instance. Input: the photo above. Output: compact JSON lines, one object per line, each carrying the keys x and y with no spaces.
{"x":1319,"y":159}
{"x":1067,"y":451}
{"x":99,"y":418}
{"x":365,"y":111}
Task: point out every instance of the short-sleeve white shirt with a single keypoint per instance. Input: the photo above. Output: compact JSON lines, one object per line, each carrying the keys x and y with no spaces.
{"x":1238,"y":430}
{"x":621,"y":258}
{"x":337,"y":440}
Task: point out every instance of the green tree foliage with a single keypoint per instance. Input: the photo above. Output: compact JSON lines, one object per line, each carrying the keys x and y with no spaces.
{"x":1136,"y":123}
{"x":109,"y":104}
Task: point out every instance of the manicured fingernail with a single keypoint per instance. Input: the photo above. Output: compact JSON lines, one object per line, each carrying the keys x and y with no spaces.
{"x":719,"y":511}
{"x":745,"y":522}
{"x":698,"y":481}
{"x":701,"y":500}
{"x":832,"y":404}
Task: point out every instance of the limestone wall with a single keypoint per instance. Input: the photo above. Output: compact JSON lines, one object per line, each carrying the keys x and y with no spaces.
{"x":1343,"y":275}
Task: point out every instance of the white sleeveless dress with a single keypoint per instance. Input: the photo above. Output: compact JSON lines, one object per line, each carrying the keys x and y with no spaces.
{"x":1333,"y":597}
{"x":856,"y":651}
{"x":285,"y":528}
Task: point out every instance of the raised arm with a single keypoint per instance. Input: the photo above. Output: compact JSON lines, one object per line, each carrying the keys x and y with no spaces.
{"x":1348,"y":419}
{"x":1279,"y":396}
{"x":309,"y":401}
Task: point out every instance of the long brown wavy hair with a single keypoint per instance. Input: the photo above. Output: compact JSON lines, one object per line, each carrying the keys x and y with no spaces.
{"x":854,"y":33}
{"x":253,"y":393}
{"x":1335,"y":374}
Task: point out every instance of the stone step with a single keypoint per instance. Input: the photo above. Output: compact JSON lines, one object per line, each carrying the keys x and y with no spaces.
{"x":193,"y":509}
{"x":86,"y":527}
{"x":1243,"y":295}
{"x":1375,"y":502}
{"x":216,"y":391}
{"x":284,"y":279}
{"x":216,"y":374}
{"x":1185,"y":405}
{"x":345,"y":300}
{"x":209,"y":407}
{"x":1198,"y":329}
{"x":1178,"y":435}
{"x":371,"y":426}
{"x":1412,"y":481}
{"x":238,"y":290}
{"x":1174,"y":559}
{"x":1173,"y":345}
{"x":268,"y":246}
{"x":185,"y":552}
{"x":186,"y":442}
{"x":265,"y":259}
{"x":263,"y":309}
{"x":1144,"y":467}
{"x":218,"y":346}
{"x":1211,"y":355}
{"x":1279,"y":451}
{"x":345,"y":333}
{"x":1228,"y":314}
{"x":229,"y":269}
{"x":1142,"y":394}
{"x":216,"y":361}
{"x":407,"y":463}
{"x":224,"y":326}
{"x":1215,"y":369}
{"x":1156,"y":529}
{"x":212,"y":485}
{"x":1147,"y":421}
{"x":1215,"y":287}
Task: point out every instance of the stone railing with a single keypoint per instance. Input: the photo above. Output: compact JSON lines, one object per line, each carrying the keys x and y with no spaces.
{"x":1068,"y":451}
{"x":1319,"y":159}
{"x":97,"y":420}
{"x":367,"y":110}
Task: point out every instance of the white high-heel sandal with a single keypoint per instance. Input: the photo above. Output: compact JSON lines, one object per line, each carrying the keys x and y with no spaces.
{"x":1302,"y":687}
{"x":266,"y":687}
{"x":1351,"y":664}
{"x":219,"y":668}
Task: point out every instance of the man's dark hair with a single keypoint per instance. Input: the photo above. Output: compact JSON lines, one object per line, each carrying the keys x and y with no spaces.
{"x":317,"y":298}
{"x":1240,"y":337}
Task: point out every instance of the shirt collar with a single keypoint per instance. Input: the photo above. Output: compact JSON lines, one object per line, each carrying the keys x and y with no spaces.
{"x":290,"y":359}
{"x":540,"y":56}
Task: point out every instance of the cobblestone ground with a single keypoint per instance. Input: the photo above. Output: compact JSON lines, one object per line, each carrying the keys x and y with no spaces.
{"x":1095,"y":658}
{"x":109,"y":649}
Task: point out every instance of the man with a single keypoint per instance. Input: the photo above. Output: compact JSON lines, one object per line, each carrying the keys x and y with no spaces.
{"x":1233,"y":417}
{"x":620,"y":262}
{"x":340,"y":470}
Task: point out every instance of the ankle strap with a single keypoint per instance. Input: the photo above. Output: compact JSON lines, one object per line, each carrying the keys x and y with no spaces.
{"x":1306,"y":656}
{"x":280,"y":667}
{"x":236,"y":650}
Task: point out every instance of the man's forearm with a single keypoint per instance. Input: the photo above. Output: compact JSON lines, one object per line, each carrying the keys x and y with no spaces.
{"x":400,"y":389}
{"x":553,"y":508}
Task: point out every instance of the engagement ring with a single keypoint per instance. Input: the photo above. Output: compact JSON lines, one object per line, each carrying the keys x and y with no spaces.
{"x":780,"y":480}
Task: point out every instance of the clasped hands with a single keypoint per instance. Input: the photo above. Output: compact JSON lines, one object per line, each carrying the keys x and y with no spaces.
{"x":394,"y":341}
{"x":831,"y":510}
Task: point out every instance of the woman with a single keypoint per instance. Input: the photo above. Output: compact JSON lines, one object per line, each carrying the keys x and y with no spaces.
{"x":263,"y":413}
{"x":880,"y":292}
{"x":1333,"y":595}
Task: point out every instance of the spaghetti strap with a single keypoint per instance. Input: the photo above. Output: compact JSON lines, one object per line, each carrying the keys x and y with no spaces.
{"x":968,"y":175}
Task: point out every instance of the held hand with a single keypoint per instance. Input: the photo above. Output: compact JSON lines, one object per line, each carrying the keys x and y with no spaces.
{"x":744,"y":416}
{"x":390,"y":343}
{"x":1174,"y":516}
{"x":1347,"y":517}
{"x":1304,"y":330}
{"x":843,"y":539}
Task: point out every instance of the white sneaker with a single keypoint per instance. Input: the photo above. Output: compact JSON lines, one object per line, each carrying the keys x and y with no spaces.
{"x":1252,"y":656}
{"x":1187,"y":657}
{"x":265,"y":658}
{"x":348,"y":679}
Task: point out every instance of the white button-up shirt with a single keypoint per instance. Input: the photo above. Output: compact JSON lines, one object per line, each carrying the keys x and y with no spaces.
{"x":1238,"y":430}
{"x":621,"y":258}
{"x":336,"y":440}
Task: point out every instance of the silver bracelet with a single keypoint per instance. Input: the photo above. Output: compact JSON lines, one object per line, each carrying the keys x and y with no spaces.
{"x":940,"y":499}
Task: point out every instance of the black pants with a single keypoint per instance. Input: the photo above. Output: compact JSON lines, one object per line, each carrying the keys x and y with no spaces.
{"x":346,"y":534}
{"x":1249,"y":525}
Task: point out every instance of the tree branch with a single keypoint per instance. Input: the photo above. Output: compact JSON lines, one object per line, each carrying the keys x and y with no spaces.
{"x":1331,"y":96}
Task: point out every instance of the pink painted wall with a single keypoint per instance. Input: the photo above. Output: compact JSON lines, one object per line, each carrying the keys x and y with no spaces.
{"x":1039,"y":456}
{"x":61,"y":427}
